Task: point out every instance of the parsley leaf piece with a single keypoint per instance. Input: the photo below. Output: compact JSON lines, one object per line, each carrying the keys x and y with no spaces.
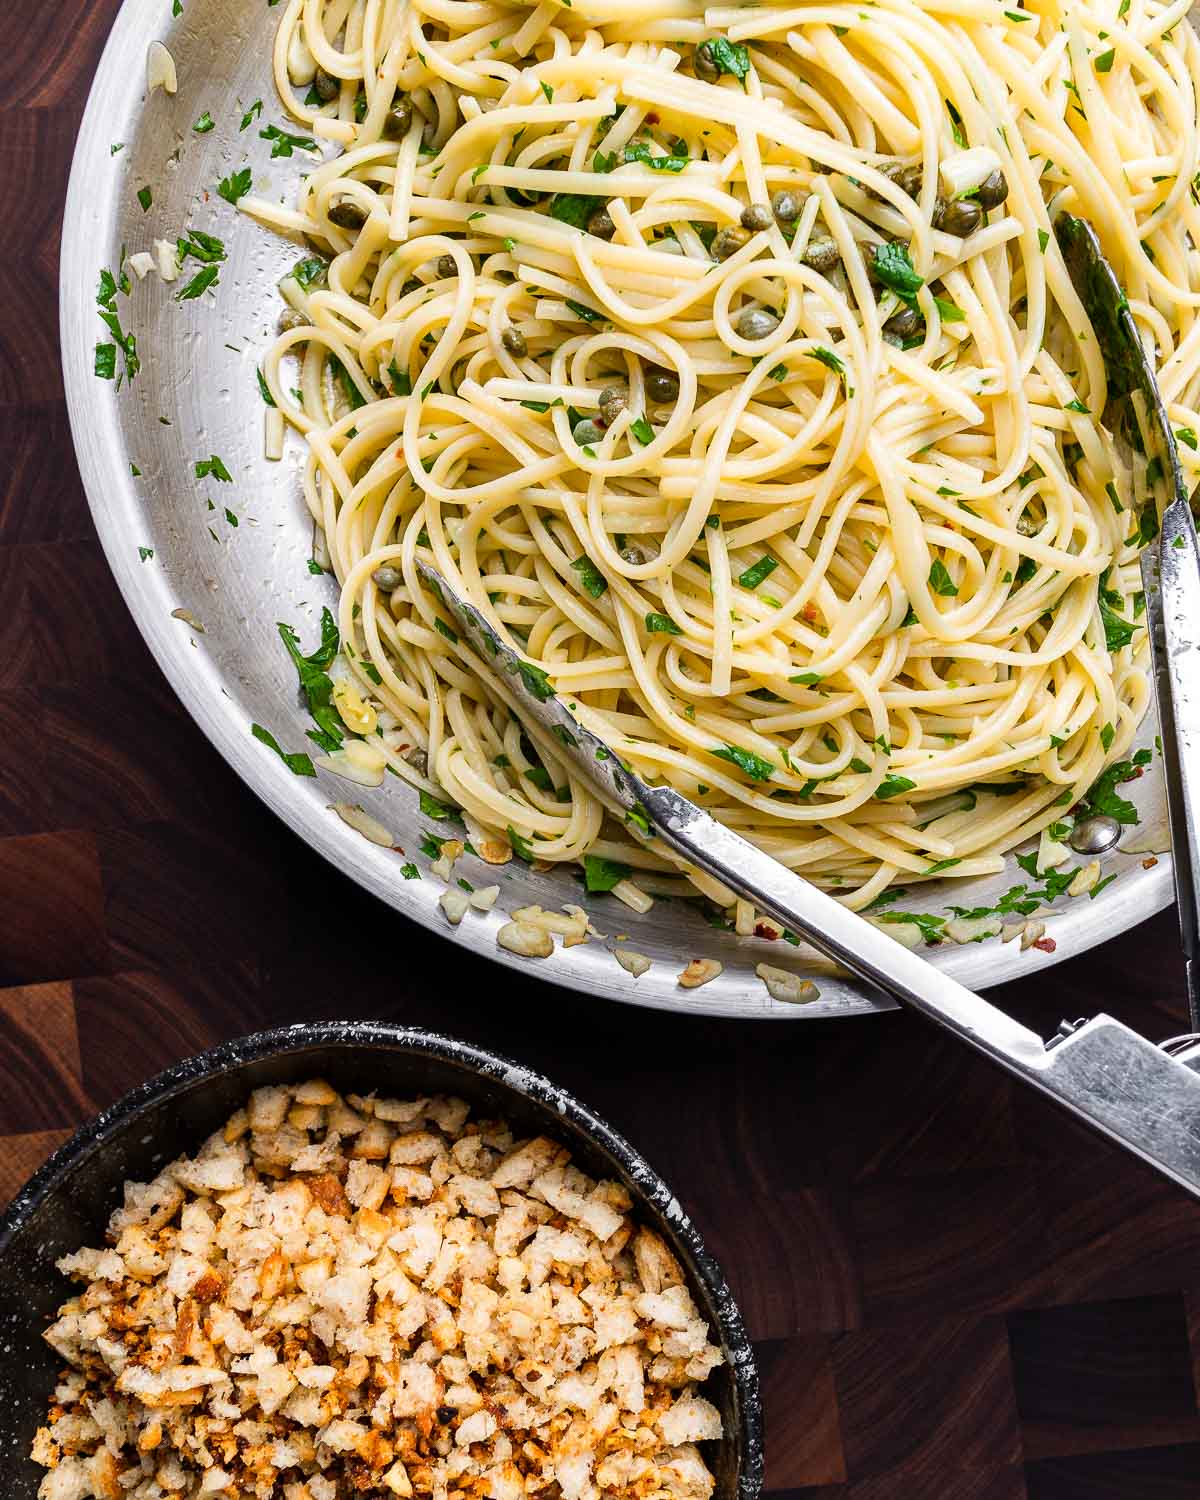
{"x":642,"y":430}
{"x":893,"y":266}
{"x":283,"y":143}
{"x":756,"y":572}
{"x":315,"y":683}
{"x":432,"y":808}
{"x":204,"y":124}
{"x":1117,"y":632}
{"x":298,"y":764}
{"x":521,"y":847}
{"x":590,"y":576}
{"x":753,"y":765}
{"x":940,"y":581}
{"x":661,"y":625}
{"x":601,"y":875}
{"x":536,"y":681}
{"x":251,"y":115}
{"x":930,"y":926}
{"x":573,"y":208}
{"x":639,"y":151}
{"x":893,"y":786}
{"x":214,"y":466}
{"x":106,"y":361}
{"x":199,"y":284}
{"x":730,"y":57}
{"x":236,"y":185}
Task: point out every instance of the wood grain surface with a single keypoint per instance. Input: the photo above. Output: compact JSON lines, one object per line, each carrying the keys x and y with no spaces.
{"x":955,"y":1294}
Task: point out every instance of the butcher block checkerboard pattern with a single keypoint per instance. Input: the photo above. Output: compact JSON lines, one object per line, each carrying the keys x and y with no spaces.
{"x":955,"y":1294}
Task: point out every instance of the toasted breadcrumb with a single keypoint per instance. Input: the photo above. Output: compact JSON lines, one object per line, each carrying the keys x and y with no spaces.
{"x":343,"y":1296}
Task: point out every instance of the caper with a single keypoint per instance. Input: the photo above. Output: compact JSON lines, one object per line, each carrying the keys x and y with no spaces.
{"x":639,"y":553}
{"x":993,"y":190}
{"x":446,"y":266}
{"x":907,"y":179}
{"x":959,"y":216}
{"x":327,"y":86}
{"x":786,"y":207}
{"x":387,"y":578}
{"x":514,"y":341}
{"x":757,"y":216}
{"x":906,"y":324}
{"x":704,"y":64}
{"x":821,"y":254}
{"x":290,"y":320}
{"x":756,"y":323}
{"x":601,"y":224}
{"x":662,"y":387}
{"x":398,"y":119}
{"x":587,"y":432}
{"x":347,"y":214}
{"x":728,"y":242}
{"x":613,"y":401}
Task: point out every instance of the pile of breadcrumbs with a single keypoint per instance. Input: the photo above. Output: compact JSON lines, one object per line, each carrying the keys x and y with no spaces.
{"x":358,"y":1296}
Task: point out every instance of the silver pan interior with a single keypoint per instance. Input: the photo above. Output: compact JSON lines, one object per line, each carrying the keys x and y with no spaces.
{"x":196,"y":395}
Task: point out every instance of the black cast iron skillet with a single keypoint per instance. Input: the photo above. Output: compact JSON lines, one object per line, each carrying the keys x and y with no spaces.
{"x":67,"y":1204}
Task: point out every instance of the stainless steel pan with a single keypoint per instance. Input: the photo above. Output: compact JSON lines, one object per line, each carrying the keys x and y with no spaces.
{"x":198,"y":373}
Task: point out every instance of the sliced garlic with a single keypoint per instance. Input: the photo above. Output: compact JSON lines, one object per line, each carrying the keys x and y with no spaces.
{"x":633,"y":963}
{"x":1032,"y":933}
{"x":1085,"y":879}
{"x":341,"y":764}
{"x":525,"y":940}
{"x":455,"y":904}
{"x":160,"y":69}
{"x":370,"y":828}
{"x":1051,"y":853}
{"x":700,"y":971}
{"x":356,"y":714}
{"x":964,"y":171}
{"x":907,"y":934}
{"x":141,"y":264}
{"x":167,"y":256}
{"x":783,"y":985}
{"x":972,"y":929}
{"x":484,"y":898}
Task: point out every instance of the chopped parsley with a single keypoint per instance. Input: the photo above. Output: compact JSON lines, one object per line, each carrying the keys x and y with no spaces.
{"x":315,"y":682}
{"x":283,"y":143}
{"x":753,"y":765}
{"x":236,"y":185}
{"x":590,"y":576}
{"x":601,"y":875}
{"x":298,"y":764}
{"x":657,"y":624}
{"x":754,"y":575}
{"x":729,"y":57}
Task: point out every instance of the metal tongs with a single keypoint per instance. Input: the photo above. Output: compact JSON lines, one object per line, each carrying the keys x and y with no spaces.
{"x":1105,"y":1074}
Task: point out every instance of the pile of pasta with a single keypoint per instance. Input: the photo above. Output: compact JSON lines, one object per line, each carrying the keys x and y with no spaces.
{"x":726,"y":361}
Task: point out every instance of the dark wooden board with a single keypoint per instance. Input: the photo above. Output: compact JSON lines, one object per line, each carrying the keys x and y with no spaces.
{"x":955,"y":1294}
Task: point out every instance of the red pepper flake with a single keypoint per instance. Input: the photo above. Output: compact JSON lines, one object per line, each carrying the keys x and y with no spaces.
{"x":651,"y":118}
{"x":809,"y":611}
{"x":1047,"y":945}
{"x":763,"y":931}
{"x":1148,"y":864}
